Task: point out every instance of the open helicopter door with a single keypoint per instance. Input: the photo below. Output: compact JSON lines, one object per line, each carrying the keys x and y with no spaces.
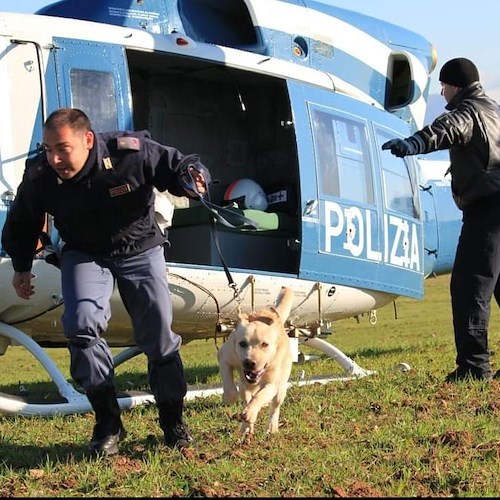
{"x":94,"y":78}
{"x":22,"y":95}
{"x":361,"y":222}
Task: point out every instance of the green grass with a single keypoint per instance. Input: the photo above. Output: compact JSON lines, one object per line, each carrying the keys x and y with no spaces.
{"x":393,"y":434}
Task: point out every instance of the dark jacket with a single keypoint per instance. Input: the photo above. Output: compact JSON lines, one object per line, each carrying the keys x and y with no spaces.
{"x":107,"y":209}
{"x":471,"y":131}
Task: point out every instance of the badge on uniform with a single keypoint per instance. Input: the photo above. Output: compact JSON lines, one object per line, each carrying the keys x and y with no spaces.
{"x":108,"y":164}
{"x":119,"y":190}
{"x":128,"y":142}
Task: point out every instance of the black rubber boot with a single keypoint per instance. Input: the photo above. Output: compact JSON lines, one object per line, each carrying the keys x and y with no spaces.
{"x":466,"y":373}
{"x":174,"y":429}
{"x":108,"y":429}
{"x":168,"y":384}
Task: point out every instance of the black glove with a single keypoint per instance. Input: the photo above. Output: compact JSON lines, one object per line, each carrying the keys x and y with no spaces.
{"x":402,"y":147}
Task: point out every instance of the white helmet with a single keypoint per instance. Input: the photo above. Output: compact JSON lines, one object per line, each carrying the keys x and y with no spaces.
{"x":246,"y":193}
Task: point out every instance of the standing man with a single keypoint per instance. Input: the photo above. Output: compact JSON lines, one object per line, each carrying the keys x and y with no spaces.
{"x":471,"y":131}
{"x":99,"y":190}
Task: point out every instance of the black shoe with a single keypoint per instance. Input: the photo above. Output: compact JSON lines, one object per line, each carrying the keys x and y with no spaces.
{"x":466,"y":374}
{"x":106,"y":442}
{"x":497,"y":375}
{"x":177,"y":436}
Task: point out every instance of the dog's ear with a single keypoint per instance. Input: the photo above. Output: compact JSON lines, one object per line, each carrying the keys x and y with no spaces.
{"x":284,"y":303}
{"x":243,"y":319}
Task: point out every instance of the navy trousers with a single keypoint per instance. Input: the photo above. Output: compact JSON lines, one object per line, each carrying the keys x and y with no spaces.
{"x":473,"y":281}
{"x":87,"y":286}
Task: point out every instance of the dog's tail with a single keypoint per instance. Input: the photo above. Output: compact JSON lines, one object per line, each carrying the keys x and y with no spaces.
{"x":284,"y":303}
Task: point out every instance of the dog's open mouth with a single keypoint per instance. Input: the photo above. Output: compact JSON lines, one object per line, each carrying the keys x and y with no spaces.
{"x":253,"y":376}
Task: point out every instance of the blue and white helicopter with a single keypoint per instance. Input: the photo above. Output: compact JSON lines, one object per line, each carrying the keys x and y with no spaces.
{"x":296,"y":96}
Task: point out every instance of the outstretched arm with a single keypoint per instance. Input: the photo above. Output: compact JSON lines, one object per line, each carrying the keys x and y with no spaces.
{"x":403,"y":147}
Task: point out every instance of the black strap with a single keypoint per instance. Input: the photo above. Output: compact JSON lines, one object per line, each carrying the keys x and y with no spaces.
{"x":215,"y":237}
{"x":229,"y":216}
{"x":51,"y":254}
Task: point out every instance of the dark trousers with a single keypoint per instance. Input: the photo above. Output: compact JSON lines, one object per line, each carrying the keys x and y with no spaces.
{"x":473,"y":282}
{"x":87,"y":286}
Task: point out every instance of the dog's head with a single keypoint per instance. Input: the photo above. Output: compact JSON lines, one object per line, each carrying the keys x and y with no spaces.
{"x":259,"y":336}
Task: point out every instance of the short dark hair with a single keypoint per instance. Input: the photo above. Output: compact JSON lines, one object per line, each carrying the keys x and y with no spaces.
{"x":74,"y":118}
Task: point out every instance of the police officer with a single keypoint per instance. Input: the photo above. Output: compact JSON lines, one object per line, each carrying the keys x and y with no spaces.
{"x":99,"y":190}
{"x":470,"y":129}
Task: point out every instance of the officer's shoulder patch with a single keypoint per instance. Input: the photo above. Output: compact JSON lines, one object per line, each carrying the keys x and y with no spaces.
{"x":128,"y":142}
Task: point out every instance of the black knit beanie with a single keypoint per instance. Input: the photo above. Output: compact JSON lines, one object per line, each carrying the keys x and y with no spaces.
{"x":459,"y":72}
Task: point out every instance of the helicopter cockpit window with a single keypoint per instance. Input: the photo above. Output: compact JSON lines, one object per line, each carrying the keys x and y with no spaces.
{"x":399,"y":181}
{"x":343,"y":159}
{"x":94,"y":93}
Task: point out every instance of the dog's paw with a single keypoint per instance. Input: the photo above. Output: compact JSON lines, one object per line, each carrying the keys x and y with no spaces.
{"x":230,"y":397}
{"x":272,"y":429}
{"x":249,"y":415}
{"x":247,"y":431}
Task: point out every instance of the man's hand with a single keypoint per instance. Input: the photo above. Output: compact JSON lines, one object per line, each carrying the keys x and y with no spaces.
{"x":401,"y":147}
{"x":199,"y":180}
{"x":194,"y":177}
{"x":22,"y":284}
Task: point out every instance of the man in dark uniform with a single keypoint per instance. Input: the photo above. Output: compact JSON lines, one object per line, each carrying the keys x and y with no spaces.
{"x":99,"y":190}
{"x":470,"y":129}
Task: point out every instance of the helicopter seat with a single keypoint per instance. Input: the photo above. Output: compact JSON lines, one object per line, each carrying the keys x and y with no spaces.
{"x":265,"y":221}
{"x":267,"y":247}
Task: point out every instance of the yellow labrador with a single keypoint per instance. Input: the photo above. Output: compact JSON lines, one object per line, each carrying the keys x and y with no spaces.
{"x":258,"y":349}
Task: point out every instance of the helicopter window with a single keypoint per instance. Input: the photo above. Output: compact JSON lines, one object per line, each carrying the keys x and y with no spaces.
{"x":399,"y":179}
{"x":342,"y":157}
{"x":94,"y":93}
{"x":224,"y":22}
{"x":400,"y":86}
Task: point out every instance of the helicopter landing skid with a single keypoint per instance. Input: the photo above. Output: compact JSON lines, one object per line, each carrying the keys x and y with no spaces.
{"x":73,"y":401}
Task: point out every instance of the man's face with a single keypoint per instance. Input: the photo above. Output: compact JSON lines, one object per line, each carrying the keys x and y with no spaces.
{"x":449,"y":91}
{"x":67,"y":150}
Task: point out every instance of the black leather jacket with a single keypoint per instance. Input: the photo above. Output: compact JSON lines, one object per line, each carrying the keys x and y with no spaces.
{"x":107,"y":209}
{"x":471,"y":131}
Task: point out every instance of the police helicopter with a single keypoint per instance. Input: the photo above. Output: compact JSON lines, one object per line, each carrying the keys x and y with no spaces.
{"x":287,"y":102}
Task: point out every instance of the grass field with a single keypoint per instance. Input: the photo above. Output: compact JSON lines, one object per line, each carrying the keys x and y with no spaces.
{"x":392,"y":434}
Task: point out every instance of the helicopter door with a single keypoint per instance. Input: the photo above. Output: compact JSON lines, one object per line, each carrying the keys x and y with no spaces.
{"x":94,"y":77}
{"x":355,"y":230}
{"x":21,"y":106}
{"x":403,"y":238}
